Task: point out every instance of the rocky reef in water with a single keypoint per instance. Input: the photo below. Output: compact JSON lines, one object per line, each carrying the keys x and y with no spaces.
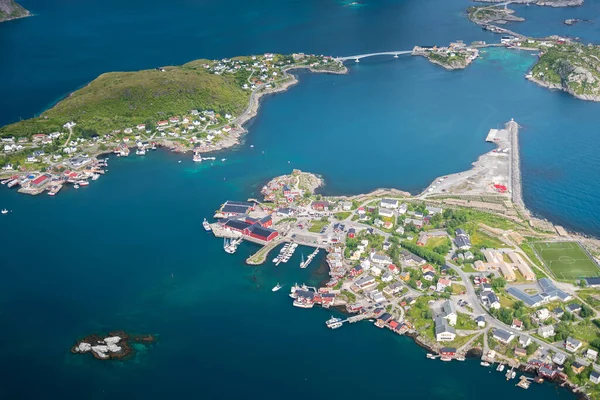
{"x":114,"y":346}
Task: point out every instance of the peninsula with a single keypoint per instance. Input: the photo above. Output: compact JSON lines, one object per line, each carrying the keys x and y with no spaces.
{"x":10,"y":9}
{"x":462,"y":268}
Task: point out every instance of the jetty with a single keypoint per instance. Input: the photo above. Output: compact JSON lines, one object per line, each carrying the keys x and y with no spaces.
{"x":358,"y":57}
{"x":309,"y":259}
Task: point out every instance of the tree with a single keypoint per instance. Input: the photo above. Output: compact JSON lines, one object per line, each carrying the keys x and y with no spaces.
{"x":533,"y":346}
{"x":586,"y":311}
{"x":498,"y":283}
{"x":582,"y":283}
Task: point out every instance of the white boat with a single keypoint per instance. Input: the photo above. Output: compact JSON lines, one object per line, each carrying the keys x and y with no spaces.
{"x":223,"y":159}
{"x":500,"y":368}
{"x":206,"y":225}
{"x":179,"y":162}
{"x":4,"y":211}
{"x":334,"y":323}
{"x":277,"y":287}
{"x":303,"y":262}
{"x":76,"y":186}
{"x":460,"y":358}
{"x":251,"y":145}
{"x":303,"y":304}
{"x":83,"y":183}
{"x":484,"y":364}
{"x":276,"y":260}
{"x":197,"y":158}
{"x":140,"y":152}
{"x":95,"y":176}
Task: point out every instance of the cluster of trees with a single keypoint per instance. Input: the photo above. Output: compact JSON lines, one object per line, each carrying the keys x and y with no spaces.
{"x":424,"y":253}
{"x":517,"y":311}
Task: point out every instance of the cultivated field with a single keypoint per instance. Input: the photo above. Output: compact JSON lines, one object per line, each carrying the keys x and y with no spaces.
{"x":566,"y":260}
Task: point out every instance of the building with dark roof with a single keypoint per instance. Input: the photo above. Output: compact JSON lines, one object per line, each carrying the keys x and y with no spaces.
{"x":232,"y":209}
{"x":257,"y":231}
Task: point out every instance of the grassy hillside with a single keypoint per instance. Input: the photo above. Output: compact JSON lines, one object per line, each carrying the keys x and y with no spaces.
{"x":123,"y":99}
{"x":9,"y":9}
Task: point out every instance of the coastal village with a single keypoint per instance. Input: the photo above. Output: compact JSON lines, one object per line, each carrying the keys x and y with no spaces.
{"x":462,"y":281}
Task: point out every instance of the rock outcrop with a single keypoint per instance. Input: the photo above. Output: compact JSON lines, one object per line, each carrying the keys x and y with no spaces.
{"x":9,"y":9}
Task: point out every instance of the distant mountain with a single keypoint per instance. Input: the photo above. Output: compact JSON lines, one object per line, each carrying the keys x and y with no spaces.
{"x":9,"y":9}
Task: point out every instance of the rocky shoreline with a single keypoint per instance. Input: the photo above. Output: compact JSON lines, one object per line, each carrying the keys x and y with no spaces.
{"x":549,"y":85}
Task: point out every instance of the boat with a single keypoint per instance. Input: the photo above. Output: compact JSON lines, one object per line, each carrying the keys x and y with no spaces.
{"x":95,"y":177}
{"x":446,"y":358}
{"x":197,"y":158}
{"x":83,"y":183}
{"x":179,"y":162}
{"x":303,"y":304}
{"x":524,"y":382}
{"x":334,"y":323}
{"x":431,"y":356}
{"x":500,"y":367}
{"x":229,"y":246}
{"x":223,"y":159}
{"x":251,"y":146}
{"x":206,"y":225}
{"x":303,"y":262}
{"x":484,"y":364}
{"x":276,"y":287}
{"x":4,"y":211}
{"x":276,"y":260}
{"x":140,"y":152}
{"x":460,"y":358}
{"x":76,"y":186}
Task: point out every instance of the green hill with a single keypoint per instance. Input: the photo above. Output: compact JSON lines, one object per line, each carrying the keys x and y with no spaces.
{"x":123,"y":99}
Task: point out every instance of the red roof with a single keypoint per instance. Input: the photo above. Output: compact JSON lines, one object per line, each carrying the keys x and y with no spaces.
{"x":39,"y":179}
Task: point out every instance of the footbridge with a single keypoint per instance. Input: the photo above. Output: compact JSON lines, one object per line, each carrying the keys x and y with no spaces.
{"x":357,"y":57}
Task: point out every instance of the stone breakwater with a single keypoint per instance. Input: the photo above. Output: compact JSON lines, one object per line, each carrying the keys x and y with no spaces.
{"x":515,"y":166}
{"x":547,"y":3}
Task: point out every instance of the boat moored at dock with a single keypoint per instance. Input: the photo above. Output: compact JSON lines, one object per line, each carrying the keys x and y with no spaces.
{"x":334,"y":323}
{"x":206,"y":225}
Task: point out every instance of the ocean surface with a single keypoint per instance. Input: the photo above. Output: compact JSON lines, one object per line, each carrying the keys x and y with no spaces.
{"x":128,"y":252}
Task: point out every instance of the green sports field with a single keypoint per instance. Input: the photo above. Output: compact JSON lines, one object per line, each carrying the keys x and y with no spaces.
{"x":566,"y":260}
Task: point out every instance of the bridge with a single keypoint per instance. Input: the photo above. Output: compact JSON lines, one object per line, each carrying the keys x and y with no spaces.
{"x":385,"y":53}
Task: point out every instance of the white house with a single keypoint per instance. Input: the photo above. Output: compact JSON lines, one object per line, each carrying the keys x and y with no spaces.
{"x":386,"y":212}
{"x":546,"y":331}
{"x":389,"y":203}
{"x":443,"y":331}
{"x":572,"y":344}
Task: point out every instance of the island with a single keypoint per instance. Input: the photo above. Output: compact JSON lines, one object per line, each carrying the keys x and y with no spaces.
{"x":547,"y":3}
{"x":569,"y":66}
{"x":10,"y":9}
{"x":456,"y":56}
{"x":483,"y":15}
{"x":462,"y":267}
{"x":114,"y":346}
{"x":200,"y":106}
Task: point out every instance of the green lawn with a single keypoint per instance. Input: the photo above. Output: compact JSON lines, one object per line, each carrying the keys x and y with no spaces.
{"x":343,"y":215}
{"x":590,"y":296}
{"x":585,"y":331}
{"x":566,"y":260}
{"x":316,"y":226}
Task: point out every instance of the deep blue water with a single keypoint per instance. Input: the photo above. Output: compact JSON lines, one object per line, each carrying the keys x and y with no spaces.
{"x":128,"y":252}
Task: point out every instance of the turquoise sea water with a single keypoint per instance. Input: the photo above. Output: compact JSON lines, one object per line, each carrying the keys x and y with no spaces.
{"x":128,"y":252}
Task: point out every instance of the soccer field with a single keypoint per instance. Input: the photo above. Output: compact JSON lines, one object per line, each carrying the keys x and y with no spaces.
{"x":566,"y":260}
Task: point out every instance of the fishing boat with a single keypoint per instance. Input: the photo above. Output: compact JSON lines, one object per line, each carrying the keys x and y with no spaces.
{"x":95,"y":176}
{"x":334,"y":323}
{"x":446,"y":358}
{"x":460,"y":358}
{"x":484,"y":364}
{"x":140,"y":152}
{"x":276,"y":287}
{"x":303,"y":262}
{"x":83,"y":183}
{"x":500,"y":367}
{"x":303,"y":304}
{"x":76,"y":186}
{"x":206,"y":225}
{"x":197,"y":158}
{"x":4,"y":211}
{"x":229,"y":246}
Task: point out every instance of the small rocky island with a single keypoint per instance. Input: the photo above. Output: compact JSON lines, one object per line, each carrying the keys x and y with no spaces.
{"x":10,"y":9}
{"x":482,"y":15}
{"x":573,"y":21}
{"x":114,"y":346}
{"x":456,"y":56}
{"x":547,"y":3}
